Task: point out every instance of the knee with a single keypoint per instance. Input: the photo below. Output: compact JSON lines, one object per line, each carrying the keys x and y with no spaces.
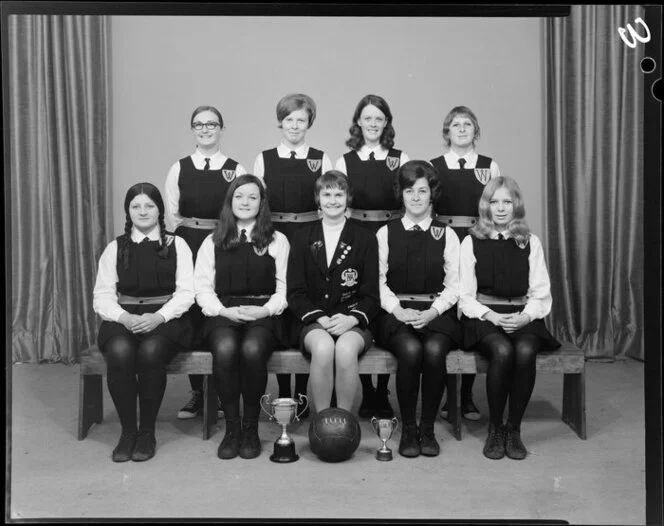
{"x":254,"y":351}
{"x":152,"y":354}
{"x":525,"y":354}
{"x":345,"y":356}
{"x":409,"y":353}
{"x":322,"y":353}
{"x":120,"y":354}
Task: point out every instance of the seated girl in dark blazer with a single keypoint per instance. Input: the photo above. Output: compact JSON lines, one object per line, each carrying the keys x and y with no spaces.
{"x":419,"y":288}
{"x":144,"y":288}
{"x":240,"y":280}
{"x":505,"y":294}
{"x":333,"y":293}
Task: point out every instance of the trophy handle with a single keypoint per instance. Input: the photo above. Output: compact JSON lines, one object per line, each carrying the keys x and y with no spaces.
{"x":374,"y":422}
{"x":306,"y":404}
{"x":395,"y":421}
{"x":266,"y":397}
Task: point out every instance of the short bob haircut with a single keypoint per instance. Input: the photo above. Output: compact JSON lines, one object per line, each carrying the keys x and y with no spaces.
{"x":333,"y":179}
{"x":294,"y":102}
{"x":152,"y":192}
{"x":225,"y":236}
{"x":201,"y":109}
{"x":356,"y":140}
{"x":462,"y":111}
{"x":517,"y":227}
{"x":412,"y":171}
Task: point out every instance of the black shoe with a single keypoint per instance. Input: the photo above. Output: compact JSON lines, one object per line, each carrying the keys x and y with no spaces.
{"x":145,"y":446}
{"x":429,"y":446}
{"x":409,"y":445}
{"x":469,"y":411}
{"x":514,"y":448}
{"x":494,"y":447}
{"x":193,"y":407}
{"x":300,"y":407}
{"x":368,"y":405}
{"x":250,"y":443}
{"x":125,"y":447}
{"x":230,"y":445}
{"x":383,"y":409}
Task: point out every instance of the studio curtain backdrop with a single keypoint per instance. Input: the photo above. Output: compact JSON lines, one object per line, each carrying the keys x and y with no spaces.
{"x":594,"y":180}
{"x":59,"y":160}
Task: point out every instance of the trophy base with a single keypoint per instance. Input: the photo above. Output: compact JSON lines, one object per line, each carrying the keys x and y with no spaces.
{"x":284,"y":454}
{"x":384,"y":455}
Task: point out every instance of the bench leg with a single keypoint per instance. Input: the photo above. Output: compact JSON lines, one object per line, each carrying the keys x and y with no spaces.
{"x":574,"y":402}
{"x":454,"y":403}
{"x":209,"y":406}
{"x":90,"y":403}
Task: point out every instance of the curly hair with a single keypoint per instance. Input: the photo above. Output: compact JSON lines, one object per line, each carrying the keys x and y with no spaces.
{"x":412,"y":171}
{"x":356,"y":140}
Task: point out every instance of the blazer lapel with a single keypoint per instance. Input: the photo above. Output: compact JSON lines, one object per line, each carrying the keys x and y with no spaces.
{"x":344,"y":247}
{"x":317,"y":247}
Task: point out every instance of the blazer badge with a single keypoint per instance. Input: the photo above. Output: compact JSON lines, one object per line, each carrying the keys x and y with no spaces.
{"x":483,"y":175}
{"x":392,"y":162}
{"x":314,"y":164}
{"x":437,"y":231}
{"x":229,"y":175}
{"x":349,"y":277}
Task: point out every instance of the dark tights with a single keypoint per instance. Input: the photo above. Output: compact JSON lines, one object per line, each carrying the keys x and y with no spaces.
{"x":127,"y":358}
{"x":381,"y":386}
{"x":239,"y":365}
{"x":423,"y":355}
{"x":511,"y":374}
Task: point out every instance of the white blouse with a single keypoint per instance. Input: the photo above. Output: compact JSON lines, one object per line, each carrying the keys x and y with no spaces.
{"x":205,"y":272}
{"x":172,"y":216}
{"x":539,"y":300}
{"x":105,"y":302}
{"x":448,"y":296}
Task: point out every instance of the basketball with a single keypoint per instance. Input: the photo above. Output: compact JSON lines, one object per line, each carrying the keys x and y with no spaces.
{"x":334,"y":434}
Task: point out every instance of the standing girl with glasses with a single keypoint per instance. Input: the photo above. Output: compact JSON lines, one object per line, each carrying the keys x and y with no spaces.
{"x":195,"y":189}
{"x":462,"y":173}
{"x":505,"y":294}
{"x":333,"y":293}
{"x":240,"y":281}
{"x":371,"y":167}
{"x":289,"y":172}
{"x":144,"y":288}
{"x":419,"y":289}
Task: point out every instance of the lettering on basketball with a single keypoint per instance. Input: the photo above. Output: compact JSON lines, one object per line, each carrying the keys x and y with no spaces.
{"x":229,"y":175}
{"x":633,"y":34}
{"x":349,"y":277}
{"x":335,"y":420}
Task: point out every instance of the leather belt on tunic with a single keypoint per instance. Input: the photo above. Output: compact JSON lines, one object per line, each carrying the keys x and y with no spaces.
{"x":202,"y":224}
{"x":296,"y":217}
{"x":375,"y":215}
{"x":417,"y":297}
{"x":459,"y":221}
{"x":486,"y":299}
{"x":144,"y":300}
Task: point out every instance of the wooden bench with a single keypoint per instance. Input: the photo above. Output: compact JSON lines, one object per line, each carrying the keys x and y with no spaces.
{"x":93,"y":368}
{"x":568,"y":361}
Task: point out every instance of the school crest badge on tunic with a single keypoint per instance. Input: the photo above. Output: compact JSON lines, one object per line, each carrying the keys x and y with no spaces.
{"x":392,"y":162}
{"x":349,"y":277}
{"x":229,"y":175}
{"x":437,"y":232}
{"x":260,"y":251}
{"x":314,"y":164}
{"x":483,"y":175}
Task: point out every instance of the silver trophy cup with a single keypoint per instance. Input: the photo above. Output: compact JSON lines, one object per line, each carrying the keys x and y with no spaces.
{"x":284,"y":412}
{"x":384,"y":428}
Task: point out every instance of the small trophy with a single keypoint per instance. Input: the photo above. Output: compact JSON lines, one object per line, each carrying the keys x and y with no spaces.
{"x":284,"y":411}
{"x":384,"y":429}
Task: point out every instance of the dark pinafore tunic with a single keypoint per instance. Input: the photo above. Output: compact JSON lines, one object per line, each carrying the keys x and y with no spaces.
{"x":245,"y":275}
{"x":460,"y":190}
{"x":202,"y":195}
{"x":372,"y":182}
{"x":416,"y":266}
{"x":502,"y":269}
{"x":148,"y":275}
{"x":290,"y":186}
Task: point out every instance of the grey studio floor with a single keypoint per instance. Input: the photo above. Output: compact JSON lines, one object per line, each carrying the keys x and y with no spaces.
{"x":597,"y":481}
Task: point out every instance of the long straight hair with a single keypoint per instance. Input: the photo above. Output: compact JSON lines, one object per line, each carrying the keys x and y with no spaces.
{"x":225,"y":236}
{"x":153,"y":193}
{"x":517,"y":227}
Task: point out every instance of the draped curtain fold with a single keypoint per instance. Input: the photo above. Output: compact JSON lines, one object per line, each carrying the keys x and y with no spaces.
{"x":594,"y":180}
{"x":59,"y":158}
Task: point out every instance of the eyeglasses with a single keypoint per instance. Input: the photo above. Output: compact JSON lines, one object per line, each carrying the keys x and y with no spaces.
{"x":198,"y":126}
